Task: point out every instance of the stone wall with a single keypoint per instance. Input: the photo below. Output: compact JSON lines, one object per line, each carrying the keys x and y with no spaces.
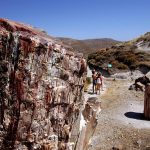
{"x":41,"y":89}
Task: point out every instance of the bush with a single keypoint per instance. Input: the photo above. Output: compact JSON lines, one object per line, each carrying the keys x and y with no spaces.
{"x":133,"y":47}
{"x":121,"y":58}
{"x":122,"y":66}
{"x":144,"y":64}
{"x":92,"y":56}
{"x":91,"y":61}
{"x":88,"y":80}
{"x":87,"y":83}
{"x":133,"y":67}
{"x":100,"y":58}
{"x":130,"y":61}
{"x":119,"y":65}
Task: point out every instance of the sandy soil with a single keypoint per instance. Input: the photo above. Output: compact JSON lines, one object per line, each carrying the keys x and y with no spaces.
{"x":120,"y":123}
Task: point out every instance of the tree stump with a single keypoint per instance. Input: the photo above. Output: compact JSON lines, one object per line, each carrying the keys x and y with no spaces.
{"x":147,"y":102}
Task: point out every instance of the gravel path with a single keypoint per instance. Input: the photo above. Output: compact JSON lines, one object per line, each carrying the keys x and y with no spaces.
{"x":120,"y":123}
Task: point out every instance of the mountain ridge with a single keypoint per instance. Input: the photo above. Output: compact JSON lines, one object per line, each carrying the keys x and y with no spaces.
{"x":87,"y":46}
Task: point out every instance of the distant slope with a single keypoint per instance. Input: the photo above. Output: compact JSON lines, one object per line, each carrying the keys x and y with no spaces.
{"x":143,"y":42}
{"x":98,"y":44}
{"x":134,"y":54}
{"x":87,"y":46}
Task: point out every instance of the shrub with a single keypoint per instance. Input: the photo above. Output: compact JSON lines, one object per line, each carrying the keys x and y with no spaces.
{"x":130,"y":61}
{"x":91,"y":61}
{"x":145,"y":64}
{"x":99,"y":58}
{"x":88,"y":80}
{"x":121,"y":58}
{"x":87,"y":83}
{"x":92,"y":56}
{"x":119,"y":65}
{"x":133,"y":67}
{"x":133,"y":47}
{"x":122,"y":66}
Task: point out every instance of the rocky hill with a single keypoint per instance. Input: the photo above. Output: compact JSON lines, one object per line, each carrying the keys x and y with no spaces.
{"x":88,"y":46}
{"x":131,"y":55}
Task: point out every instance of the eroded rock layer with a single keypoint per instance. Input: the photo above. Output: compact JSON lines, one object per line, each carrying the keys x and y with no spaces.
{"x":41,"y":89}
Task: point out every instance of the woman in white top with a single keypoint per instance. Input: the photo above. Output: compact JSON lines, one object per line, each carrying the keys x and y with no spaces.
{"x":99,"y":83}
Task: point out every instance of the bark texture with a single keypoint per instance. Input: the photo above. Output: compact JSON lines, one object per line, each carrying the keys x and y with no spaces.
{"x":41,"y":89}
{"x":147,"y":102}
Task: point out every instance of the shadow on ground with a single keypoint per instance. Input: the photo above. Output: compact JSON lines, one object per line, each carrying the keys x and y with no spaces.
{"x":91,"y":93}
{"x":135,"y":115}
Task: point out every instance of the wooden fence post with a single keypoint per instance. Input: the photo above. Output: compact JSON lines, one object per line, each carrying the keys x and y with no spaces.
{"x":147,"y":102}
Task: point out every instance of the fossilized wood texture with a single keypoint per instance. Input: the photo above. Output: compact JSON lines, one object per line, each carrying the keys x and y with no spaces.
{"x":41,"y":86}
{"x":147,"y":102}
{"x":90,"y":113}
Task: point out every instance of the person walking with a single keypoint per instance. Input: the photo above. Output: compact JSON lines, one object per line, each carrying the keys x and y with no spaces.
{"x":94,"y":77}
{"x":99,"y":83}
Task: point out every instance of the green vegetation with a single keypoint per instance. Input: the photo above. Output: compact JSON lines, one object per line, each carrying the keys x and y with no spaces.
{"x":123,"y":56}
{"x":87,"y":83}
{"x":88,"y":80}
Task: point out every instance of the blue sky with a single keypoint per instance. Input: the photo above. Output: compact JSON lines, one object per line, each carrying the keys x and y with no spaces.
{"x":82,"y":19}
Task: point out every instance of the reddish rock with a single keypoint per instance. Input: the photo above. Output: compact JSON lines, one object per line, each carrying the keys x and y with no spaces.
{"x":38,"y":87}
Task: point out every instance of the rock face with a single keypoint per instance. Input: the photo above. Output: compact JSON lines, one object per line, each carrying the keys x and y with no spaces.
{"x":88,"y":122}
{"x":41,"y":89}
{"x":147,"y":102}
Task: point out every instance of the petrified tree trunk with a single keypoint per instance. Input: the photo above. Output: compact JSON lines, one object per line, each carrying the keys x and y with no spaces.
{"x":37,"y":88}
{"x":147,"y":102}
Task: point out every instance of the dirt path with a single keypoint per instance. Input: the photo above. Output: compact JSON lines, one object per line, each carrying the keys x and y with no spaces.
{"x":120,"y":123}
{"x":89,"y":92}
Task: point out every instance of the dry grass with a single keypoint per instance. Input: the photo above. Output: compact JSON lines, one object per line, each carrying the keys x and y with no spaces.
{"x":121,"y":57}
{"x":87,"y":83}
{"x":88,"y":46}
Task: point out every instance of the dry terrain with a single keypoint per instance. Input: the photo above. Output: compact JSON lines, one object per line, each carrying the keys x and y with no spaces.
{"x":130,"y":55}
{"x":121,"y":125}
{"x":87,"y":46}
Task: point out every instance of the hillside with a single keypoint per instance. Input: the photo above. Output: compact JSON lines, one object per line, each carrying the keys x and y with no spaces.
{"x":134,"y":54}
{"x":89,"y":45}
